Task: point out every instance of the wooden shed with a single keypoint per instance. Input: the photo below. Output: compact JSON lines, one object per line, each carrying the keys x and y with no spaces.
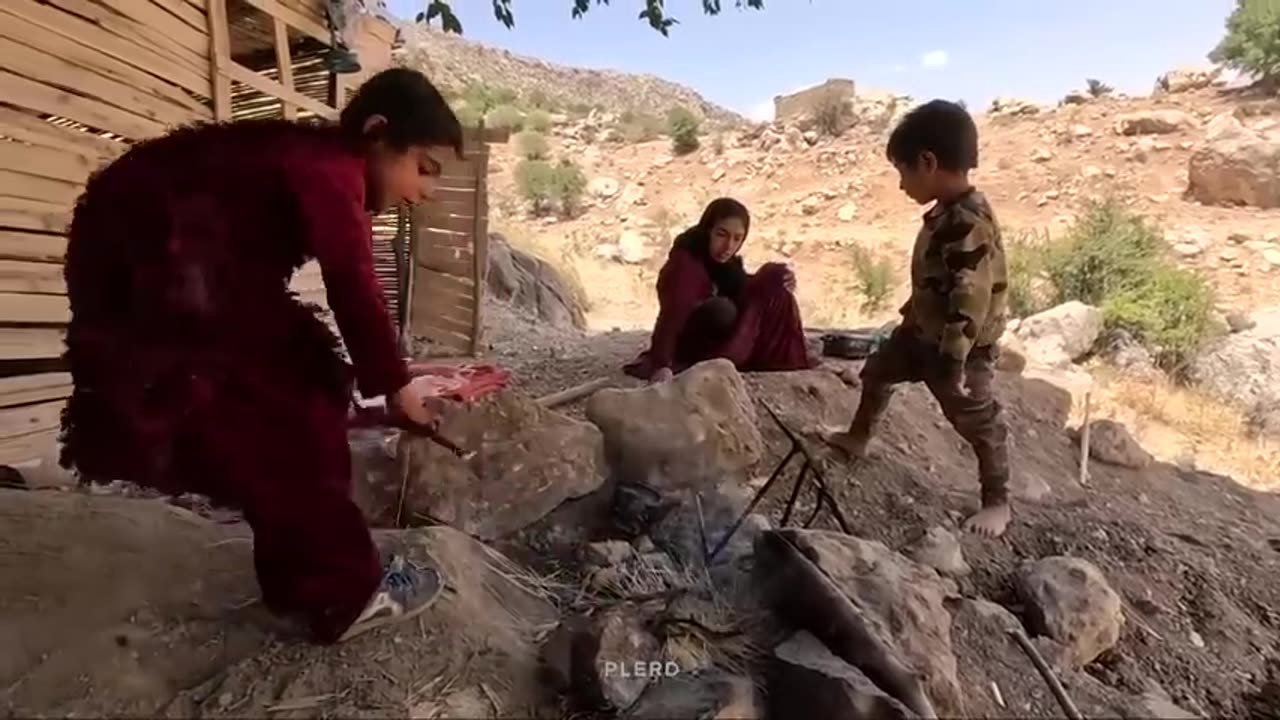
{"x":82,"y":79}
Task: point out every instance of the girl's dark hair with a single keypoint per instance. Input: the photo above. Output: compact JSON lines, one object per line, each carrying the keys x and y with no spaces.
{"x":416,"y":112}
{"x":729,"y":277}
{"x":941,"y":127}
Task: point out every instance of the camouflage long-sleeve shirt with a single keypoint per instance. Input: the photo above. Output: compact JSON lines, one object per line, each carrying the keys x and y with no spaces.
{"x":958,"y":277}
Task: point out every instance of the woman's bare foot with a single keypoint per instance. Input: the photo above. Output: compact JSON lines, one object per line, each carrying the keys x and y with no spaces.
{"x":990,"y":521}
{"x":853,"y":446}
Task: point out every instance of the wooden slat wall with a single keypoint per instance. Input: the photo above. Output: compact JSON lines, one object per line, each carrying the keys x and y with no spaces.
{"x":79,"y":81}
{"x":450,"y":242}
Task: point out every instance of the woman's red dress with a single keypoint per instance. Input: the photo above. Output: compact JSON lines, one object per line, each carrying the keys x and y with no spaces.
{"x":196,"y":370}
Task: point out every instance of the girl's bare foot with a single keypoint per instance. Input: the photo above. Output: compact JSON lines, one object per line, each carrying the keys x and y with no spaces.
{"x":990,"y":521}
{"x":853,"y":446}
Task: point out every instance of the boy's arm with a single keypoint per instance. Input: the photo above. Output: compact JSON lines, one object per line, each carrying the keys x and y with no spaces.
{"x":966,"y":248}
{"x":680,"y":289}
{"x":338,"y":233}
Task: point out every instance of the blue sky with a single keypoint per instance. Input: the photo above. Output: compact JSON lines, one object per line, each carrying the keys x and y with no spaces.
{"x":957,"y":49}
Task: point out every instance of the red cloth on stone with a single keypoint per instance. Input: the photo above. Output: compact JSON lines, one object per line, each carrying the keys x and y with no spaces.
{"x":768,"y":335}
{"x":464,"y":382}
{"x":196,"y":370}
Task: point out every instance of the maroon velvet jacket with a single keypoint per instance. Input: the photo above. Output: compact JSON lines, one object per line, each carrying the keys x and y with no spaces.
{"x":178,"y":262}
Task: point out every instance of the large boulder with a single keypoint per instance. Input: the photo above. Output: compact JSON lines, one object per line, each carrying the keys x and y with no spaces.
{"x":1112,"y":443}
{"x":1186,"y":79}
{"x":1070,"y":601}
{"x":712,"y":695}
{"x":528,"y":461}
{"x":1059,"y":335}
{"x":806,"y":680}
{"x":605,"y":660}
{"x":700,"y":426}
{"x":533,"y":285}
{"x":873,"y":608}
{"x":1236,"y":165}
{"x":1154,"y":122}
{"x":1243,"y":369}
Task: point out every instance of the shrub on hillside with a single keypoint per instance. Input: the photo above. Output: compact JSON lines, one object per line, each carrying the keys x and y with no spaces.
{"x":467,"y":115}
{"x":505,"y":117}
{"x":548,"y":188}
{"x":570,"y":183}
{"x":1252,"y":42}
{"x":538,"y":121}
{"x":873,"y":279}
{"x":532,"y":145}
{"x":829,"y":114}
{"x":485,"y":98}
{"x":717,"y":144}
{"x":538,"y":99}
{"x":683,"y":126}
{"x":638,"y":127}
{"x":1113,"y":258}
{"x":1029,"y":290}
{"x":1097,"y":88}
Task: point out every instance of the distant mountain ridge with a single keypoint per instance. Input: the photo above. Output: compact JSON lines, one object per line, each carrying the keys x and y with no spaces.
{"x":454,"y":62}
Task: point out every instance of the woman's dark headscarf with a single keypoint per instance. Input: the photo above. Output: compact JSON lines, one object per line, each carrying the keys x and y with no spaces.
{"x":729,"y":277}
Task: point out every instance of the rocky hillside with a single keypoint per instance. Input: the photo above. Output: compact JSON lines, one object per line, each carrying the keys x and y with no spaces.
{"x":455,"y":63}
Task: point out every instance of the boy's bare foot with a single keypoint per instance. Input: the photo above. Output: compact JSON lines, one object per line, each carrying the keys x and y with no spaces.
{"x":853,"y":446}
{"x":990,"y":521}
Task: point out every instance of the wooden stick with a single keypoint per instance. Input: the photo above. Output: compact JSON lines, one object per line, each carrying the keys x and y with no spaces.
{"x":1084,"y":441}
{"x":1055,"y":686}
{"x":570,"y":394}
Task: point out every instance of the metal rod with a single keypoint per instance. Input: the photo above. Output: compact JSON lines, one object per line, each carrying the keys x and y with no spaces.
{"x":568,"y":395}
{"x":795,"y":494}
{"x":817,"y":508}
{"x":798,"y":444}
{"x":1084,"y":441}
{"x":1042,"y":667}
{"x":750,"y":506}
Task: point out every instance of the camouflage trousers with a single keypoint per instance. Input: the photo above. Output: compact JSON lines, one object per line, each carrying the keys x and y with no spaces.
{"x":972,"y":409}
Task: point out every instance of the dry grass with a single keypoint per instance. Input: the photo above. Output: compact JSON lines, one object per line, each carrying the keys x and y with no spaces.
{"x":1172,"y":421}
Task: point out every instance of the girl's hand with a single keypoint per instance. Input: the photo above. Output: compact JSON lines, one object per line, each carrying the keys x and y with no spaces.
{"x":410,"y":403}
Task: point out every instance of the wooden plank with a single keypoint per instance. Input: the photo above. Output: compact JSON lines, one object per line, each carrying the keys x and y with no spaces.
{"x":456,"y":268}
{"x":31,"y":277}
{"x":428,"y":278}
{"x":220,"y":59}
{"x":164,"y":26}
{"x":32,"y":446}
{"x":454,"y":195}
{"x":47,"y":68}
{"x":293,"y":18}
{"x":24,"y":214}
{"x":264,"y":84}
{"x":23,"y":92}
{"x":92,"y":58}
{"x":441,"y":207}
{"x":32,"y":187}
{"x":90,"y":34}
{"x":46,"y":162}
{"x":30,"y":129}
{"x":449,"y":319}
{"x":122,"y":25}
{"x":27,"y":309}
{"x":440,"y":254}
{"x":449,"y":340}
{"x":479,"y":233}
{"x":187,"y":12}
{"x":26,"y":419}
{"x":24,"y":389}
{"x":284,"y":63}
{"x":16,"y":245}
{"x":461,"y":224}
{"x":30,"y":343}
{"x":426,"y":300}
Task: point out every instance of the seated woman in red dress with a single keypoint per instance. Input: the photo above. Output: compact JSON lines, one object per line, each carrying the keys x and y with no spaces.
{"x":196,"y":370}
{"x":711,"y":307}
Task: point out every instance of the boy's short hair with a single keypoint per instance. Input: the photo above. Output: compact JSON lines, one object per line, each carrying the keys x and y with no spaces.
{"x":940,"y":127}
{"x":416,"y":112}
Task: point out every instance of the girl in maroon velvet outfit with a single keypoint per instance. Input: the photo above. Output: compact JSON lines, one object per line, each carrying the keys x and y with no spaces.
{"x":196,"y":370}
{"x":710,"y":307}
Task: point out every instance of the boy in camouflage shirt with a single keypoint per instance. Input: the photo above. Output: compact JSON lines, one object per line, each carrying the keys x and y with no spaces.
{"x":956,"y":313}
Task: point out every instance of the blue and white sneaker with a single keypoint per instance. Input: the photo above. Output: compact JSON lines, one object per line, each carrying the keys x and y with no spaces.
{"x":406,"y":590}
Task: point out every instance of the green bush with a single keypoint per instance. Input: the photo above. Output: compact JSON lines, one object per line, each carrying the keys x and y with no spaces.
{"x":570,"y":183}
{"x":830,"y":115}
{"x":505,"y":117}
{"x":637,"y":127}
{"x":485,"y":98}
{"x":549,"y":188}
{"x":873,"y":279}
{"x":1252,"y":42}
{"x":1112,"y":258}
{"x":1097,"y":88}
{"x":538,"y":121}
{"x":467,"y":115}
{"x":532,"y":145}
{"x":1029,"y":288}
{"x":538,"y":99}
{"x":535,"y":181}
{"x":683,"y":126}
